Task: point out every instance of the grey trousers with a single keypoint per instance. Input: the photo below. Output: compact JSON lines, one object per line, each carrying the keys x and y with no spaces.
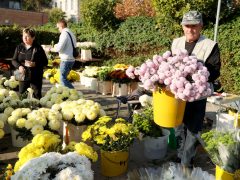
{"x":186,"y":144}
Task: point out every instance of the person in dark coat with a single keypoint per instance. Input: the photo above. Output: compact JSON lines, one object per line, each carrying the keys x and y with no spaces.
{"x":29,"y":58}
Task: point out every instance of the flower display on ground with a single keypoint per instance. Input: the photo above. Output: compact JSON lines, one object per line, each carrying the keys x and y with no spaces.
{"x":223,"y":149}
{"x":29,"y":123}
{"x":56,"y":166}
{"x":10,"y":84}
{"x":53,"y":75}
{"x":80,"y":112}
{"x":58,"y":94}
{"x":111,"y":135}
{"x":183,"y":75}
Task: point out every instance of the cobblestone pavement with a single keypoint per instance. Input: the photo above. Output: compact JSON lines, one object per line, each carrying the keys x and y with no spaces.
{"x":8,"y":153}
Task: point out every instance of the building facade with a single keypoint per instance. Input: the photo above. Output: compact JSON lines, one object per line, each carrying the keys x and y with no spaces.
{"x":70,"y":7}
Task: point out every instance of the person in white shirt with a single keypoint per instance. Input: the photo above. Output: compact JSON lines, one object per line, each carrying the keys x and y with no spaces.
{"x":65,"y":49}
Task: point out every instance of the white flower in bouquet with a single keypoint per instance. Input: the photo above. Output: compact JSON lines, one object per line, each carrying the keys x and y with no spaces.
{"x":145,"y":100}
{"x":4,"y":92}
{"x":90,"y":71}
{"x":79,"y":117}
{"x":56,"y":107}
{"x":54,"y":125}
{"x":21,"y":122}
{"x":29,"y":124}
{"x":12,"y":120}
{"x":37,"y":129}
{"x":183,"y":75}
{"x":91,"y":115}
{"x":86,"y":45}
{"x":67,"y":115}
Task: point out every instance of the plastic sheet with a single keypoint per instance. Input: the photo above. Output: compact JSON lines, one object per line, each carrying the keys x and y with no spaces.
{"x":170,"y":171}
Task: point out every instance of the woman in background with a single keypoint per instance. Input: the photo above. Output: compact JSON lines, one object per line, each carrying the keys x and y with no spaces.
{"x":29,"y":58}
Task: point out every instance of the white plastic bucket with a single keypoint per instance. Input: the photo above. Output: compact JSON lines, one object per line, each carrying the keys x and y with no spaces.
{"x":120,"y":89}
{"x":156,"y":148}
{"x":86,"y":54}
{"x":91,"y":83}
{"x":225,"y":122}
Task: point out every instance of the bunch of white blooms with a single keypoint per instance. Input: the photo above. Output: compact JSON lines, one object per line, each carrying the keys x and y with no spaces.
{"x":11,"y":83}
{"x":145,"y":100}
{"x":35,"y":121}
{"x":77,"y":112}
{"x":91,"y":71}
{"x":58,"y":94}
{"x":62,"y":167}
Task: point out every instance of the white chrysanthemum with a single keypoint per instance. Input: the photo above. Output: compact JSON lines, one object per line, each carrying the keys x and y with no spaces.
{"x":145,"y":100}
{"x":4,"y":92}
{"x":56,"y":107}
{"x":13,"y":84}
{"x":67,"y":115}
{"x":12,"y":120}
{"x":1,"y":97}
{"x":90,"y":102}
{"x":80,"y":117}
{"x":91,"y":115}
{"x":36,"y":129}
{"x":41,"y":120}
{"x":1,"y":133}
{"x":54,"y":124}
{"x":21,"y":122}
{"x":81,"y":101}
{"x":1,"y":124}
{"x":49,"y":104}
{"x":3,"y":117}
{"x":29,"y":124}
{"x":25,"y":111}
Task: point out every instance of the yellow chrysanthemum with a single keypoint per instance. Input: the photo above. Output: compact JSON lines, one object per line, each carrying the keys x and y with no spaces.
{"x":83,"y":149}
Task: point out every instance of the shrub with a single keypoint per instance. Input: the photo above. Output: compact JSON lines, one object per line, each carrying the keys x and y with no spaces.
{"x":98,"y":14}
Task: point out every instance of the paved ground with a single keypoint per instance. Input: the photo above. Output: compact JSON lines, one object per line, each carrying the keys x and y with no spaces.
{"x":8,"y":153}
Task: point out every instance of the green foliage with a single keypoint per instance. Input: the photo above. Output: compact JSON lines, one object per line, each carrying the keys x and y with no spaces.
{"x":229,"y":43}
{"x":56,"y":14}
{"x":103,"y":73}
{"x":98,"y":14}
{"x":145,"y":124}
{"x":35,"y":5}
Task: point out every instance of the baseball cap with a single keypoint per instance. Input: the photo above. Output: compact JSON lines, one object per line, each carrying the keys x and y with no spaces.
{"x":191,"y":18}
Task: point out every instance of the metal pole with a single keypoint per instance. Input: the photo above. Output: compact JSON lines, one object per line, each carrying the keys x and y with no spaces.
{"x":217,"y":20}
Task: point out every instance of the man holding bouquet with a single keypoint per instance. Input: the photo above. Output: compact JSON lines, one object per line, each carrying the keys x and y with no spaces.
{"x":207,"y":52}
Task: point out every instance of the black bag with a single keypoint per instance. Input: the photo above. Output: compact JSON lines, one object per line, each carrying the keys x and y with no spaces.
{"x":75,"y":51}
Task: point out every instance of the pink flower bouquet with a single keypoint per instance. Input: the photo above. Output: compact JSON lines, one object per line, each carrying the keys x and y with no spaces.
{"x":183,"y":75}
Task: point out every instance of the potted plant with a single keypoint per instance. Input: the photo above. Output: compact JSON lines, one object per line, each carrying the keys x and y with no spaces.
{"x":155,"y":138}
{"x":104,"y":80}
{"x":223,"y":148}
{"x":86,"y":53}
{"x":174,"y":79}
{"x":114,"y":138}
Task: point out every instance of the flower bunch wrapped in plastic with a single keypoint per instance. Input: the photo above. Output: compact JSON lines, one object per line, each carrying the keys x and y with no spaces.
{"x":58,"y":94}
{"x":223,"y":148}
{"x":103,"y":73}
{"x":111,"y":135}
{"x":57,"y":167}
{"x":183,"y":75}
{"x":118,"y":75}
{"x":80,"y":112}
{"x":29,"y":123}
{"x":53,"y":75}
{"x":90,"y":71}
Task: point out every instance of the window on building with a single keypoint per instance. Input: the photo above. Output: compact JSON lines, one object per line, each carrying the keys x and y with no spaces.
{"x":60,"y":5}
{"x":66,"y":5}
{"x":55,"y":4}
{"x":14,"y":5}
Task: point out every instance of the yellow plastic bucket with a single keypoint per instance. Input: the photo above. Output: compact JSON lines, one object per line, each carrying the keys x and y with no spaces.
{"x":223,"y":175}
{"x":167,"y":110}
{"x":114,"y":163}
